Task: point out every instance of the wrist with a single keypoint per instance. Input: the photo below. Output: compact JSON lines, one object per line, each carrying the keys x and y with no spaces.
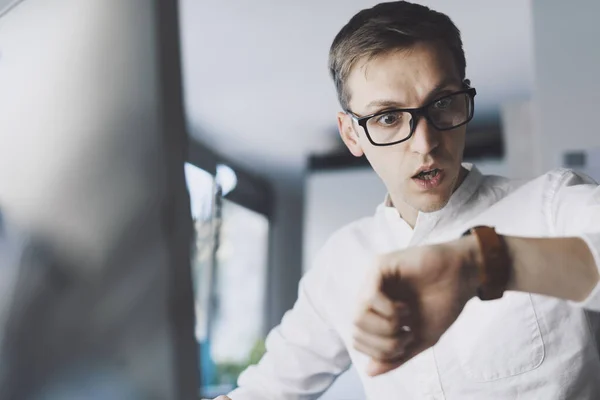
{"x":491,"y":257}
{"x":509,"y":242}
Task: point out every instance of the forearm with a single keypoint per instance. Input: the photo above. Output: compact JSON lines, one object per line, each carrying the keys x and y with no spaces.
{"x":557,"y":267}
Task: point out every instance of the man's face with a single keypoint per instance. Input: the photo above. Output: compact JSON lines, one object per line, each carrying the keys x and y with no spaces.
{"x":407,"y":79}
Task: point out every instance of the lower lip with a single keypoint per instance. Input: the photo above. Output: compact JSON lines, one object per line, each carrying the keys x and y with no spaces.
{"x":431,"y":183}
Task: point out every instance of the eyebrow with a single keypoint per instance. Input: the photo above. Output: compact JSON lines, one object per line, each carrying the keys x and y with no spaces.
{"x":395,"y":104}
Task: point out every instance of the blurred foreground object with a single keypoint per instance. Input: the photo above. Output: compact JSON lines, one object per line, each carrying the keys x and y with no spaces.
{"x":96,"y":297}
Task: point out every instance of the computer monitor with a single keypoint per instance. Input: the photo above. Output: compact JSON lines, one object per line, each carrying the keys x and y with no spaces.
{"x":92,"y":148}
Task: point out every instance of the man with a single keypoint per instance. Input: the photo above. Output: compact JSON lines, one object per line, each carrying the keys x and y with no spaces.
{"x":399,"y":70}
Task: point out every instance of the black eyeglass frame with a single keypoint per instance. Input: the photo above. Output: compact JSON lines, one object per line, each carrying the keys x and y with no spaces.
{"x":415,"y":114}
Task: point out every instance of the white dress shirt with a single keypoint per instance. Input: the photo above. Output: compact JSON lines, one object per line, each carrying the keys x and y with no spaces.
{"x":519,"y":347}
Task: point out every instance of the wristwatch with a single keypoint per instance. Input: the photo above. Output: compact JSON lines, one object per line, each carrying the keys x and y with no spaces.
{"x":494,"y":271}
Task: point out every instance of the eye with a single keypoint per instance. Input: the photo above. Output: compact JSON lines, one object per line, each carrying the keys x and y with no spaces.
{"x":442,"y":104}
{"x":389,"y":119}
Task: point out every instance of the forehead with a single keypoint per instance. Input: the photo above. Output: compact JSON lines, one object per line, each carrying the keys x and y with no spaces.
{"x":406,"y":76}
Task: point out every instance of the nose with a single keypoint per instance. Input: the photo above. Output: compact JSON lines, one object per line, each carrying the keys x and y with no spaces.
{"x":425,"y":138}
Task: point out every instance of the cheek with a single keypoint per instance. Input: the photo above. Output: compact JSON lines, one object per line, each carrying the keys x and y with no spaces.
{"x":455,"y":143}
{"x":451,"y":149}
{"x":388,"y":162}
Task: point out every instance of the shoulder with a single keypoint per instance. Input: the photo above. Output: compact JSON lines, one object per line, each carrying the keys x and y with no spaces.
{"x":549,"y":182}
{"x":564,"y":176}
{"x":558,"y":179}
{"x":560,"y":190}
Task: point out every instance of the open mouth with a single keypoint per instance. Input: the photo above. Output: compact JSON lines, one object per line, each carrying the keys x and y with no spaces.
{"x":428,"y":180}
{"x":427,"y":175}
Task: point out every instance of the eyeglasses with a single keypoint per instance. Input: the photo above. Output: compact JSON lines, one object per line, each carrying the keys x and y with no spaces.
{"x":395,"y":126}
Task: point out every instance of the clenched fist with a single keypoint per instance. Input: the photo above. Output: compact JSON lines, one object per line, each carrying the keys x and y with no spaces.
{"x":412,"y":298}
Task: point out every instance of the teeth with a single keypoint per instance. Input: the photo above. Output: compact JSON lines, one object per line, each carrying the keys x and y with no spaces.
{"x":428,"y":175}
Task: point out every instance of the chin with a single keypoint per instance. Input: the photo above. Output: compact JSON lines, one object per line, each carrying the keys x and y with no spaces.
{"x":430,"y":203}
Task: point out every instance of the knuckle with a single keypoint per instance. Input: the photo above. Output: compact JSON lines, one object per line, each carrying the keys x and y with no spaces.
{"x":382,"y":355}
{"x":394,"y":326}
{"x":393,"y":345}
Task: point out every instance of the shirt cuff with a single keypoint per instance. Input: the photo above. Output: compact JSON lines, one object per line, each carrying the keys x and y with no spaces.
{"x":592,"y":302}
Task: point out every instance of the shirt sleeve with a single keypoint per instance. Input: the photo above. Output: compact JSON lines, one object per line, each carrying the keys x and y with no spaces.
{"x":575,"y":212}
{"x":304,"y":353}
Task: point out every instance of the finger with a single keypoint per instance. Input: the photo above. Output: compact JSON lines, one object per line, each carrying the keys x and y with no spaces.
{"x":374,"y":354}
{"x":380,"y":347}
{"x":389,"y":350}
{"x":384,"y":306}
{"x":375,"y":299}
{"x":375,"y":323}
{"x":376,"y":368}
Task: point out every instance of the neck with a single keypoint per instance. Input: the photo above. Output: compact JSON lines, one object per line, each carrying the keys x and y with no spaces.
{"x":409,"y":213}
{"x":406,"y":212}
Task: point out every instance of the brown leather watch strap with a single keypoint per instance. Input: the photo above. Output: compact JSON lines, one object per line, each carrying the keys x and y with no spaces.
{"x":495,"y":269}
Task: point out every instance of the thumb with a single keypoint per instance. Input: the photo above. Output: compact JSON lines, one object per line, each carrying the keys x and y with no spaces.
{"x":378,"y":367}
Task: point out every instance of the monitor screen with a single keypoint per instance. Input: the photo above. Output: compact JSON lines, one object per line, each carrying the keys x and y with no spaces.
{"x":92,"y":145}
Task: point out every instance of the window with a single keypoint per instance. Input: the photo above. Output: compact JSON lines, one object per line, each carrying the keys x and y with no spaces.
{"x":230,"y":270}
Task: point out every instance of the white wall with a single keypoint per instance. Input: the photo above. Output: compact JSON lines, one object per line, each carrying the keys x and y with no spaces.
{"x":522,"y":153}
{"x":492,"y":167}
{"x":567,"y":84}
{"x":334,"y":199}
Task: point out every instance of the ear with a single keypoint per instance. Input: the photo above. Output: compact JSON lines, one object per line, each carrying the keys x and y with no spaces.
{"x":349,"y":134}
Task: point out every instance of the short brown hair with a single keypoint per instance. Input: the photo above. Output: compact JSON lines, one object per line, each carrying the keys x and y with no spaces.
{"x":387,"y":27}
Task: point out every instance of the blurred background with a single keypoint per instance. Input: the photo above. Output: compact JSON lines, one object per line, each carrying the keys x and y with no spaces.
{"x":269,"y":178}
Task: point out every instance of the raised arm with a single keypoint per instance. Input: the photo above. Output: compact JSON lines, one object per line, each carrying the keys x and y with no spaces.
{"x":435,"y":282}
